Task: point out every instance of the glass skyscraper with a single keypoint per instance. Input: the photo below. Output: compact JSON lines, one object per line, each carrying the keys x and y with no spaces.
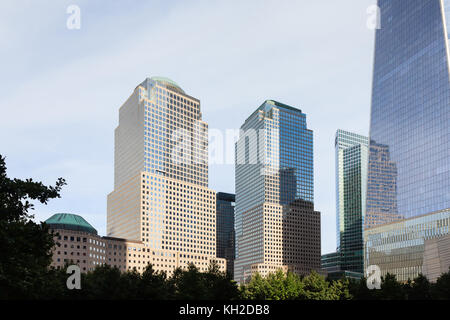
{"x":410,"y":114}
{"x":351,"y":180}
{"x":275,"y":222}
{"x":225,"y":203}
{"x":409,"y":161}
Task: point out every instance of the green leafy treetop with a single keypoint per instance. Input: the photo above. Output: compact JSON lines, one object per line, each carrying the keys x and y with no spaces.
{"x":289,"y":286}
{"x":25,"y":246}
{"x":441,"y":290}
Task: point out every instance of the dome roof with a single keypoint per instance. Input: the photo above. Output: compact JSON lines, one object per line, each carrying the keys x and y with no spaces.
{"x":69,"y":221}
{"x":168,"y":83}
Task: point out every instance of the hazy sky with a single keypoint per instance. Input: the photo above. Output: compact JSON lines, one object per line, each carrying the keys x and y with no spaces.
{"x":60,"y":89}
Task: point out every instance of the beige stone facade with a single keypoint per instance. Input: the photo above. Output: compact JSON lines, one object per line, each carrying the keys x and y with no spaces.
{"x":85,"y":249}
{"x":280,"y":237}
{"x":436,"y":257}
{"x":88,"y":250}
{"x":161,"y":196}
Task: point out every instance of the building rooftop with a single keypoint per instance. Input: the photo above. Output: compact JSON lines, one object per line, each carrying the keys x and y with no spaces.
{"x":226,"y":196}
{"x":69,"y":221}
{"x":168,"y":83}
{"x":282,"y":105}
{"x":269,"y":104}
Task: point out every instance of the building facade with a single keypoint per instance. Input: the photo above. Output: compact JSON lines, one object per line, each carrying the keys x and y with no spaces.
{"x":351,"y":180}
{"x":161,"y":195}
{"x":409,"y":169}
{"x":332,"y":267}
{"x":275,"y":222}
{"x":331,"y":262}
{"x":225,"y":203}
{"x":405,"y":248}
{"x":436,"y":257}
{"x":77,"y":242}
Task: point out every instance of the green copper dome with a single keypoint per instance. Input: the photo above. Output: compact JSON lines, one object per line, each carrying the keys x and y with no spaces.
{"x":70,"y":222}
{"x":167,"y":82}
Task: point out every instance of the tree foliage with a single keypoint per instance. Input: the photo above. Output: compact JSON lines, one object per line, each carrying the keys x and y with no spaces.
{"x":25,"y":246}
{"x":109,"y":283}
{"x":289,"y":286}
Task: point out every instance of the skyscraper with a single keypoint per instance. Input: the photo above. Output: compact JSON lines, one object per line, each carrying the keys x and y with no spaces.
{"x":161,"y":195}
{"x":351,"y":180}
{"x":409,"y":169}
{"x":275,"y":222}
{"x":225,"y":243}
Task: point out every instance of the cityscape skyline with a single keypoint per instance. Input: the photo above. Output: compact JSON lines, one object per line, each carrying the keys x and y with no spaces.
{"x":225,"y":151}
{"x":83,"y":146}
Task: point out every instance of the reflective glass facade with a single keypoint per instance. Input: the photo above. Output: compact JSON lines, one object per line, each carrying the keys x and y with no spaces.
{"x":408,"y":183}
{"x":398,"y":247}
{"x":351,"y":173}
{"x":296,"y":157}
{"x":225,"y":203}
{"x":275,"y":222}
{"x":409,"y":169}
{"x":274,"y":160}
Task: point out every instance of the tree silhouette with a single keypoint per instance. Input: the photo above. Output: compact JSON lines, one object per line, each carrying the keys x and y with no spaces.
{"x":25,"y":246}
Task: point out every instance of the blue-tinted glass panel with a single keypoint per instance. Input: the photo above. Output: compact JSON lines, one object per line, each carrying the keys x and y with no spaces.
{"x":409,"y":131}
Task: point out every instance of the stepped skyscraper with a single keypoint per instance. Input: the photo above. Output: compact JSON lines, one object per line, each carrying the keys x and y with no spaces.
{"x":161,"y":195}
{"x":275,"y":222}
{"x":351,"y":181}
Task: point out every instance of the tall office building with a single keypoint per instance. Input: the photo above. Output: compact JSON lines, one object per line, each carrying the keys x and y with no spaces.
{"x":161,"y":195}
{"x":351,"y":152}
{"x":351,"y":180}
{"x":275,"y":222}
{"x":408,"y":192}
{"x":225,"y":243}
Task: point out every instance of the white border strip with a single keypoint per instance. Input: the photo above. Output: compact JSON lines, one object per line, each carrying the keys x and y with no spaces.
{"x":447,"y":39}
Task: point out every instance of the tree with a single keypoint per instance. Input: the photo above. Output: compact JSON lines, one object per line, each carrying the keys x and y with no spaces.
{"x":293,"y":286}
{"x":129,"y":285}
{"x":340,"y":289}
{"x":55,"y":287}
{"x":109,"y":283}
{"x":317,"y":288}
{"x":419,"y":289}
{"x":188,"y":284}
{"x":359,"y":290}
{"x":391,"y":289}
{"x":256,"y":289}
{"x":441,"y":289}
{"x":290,"y":286}
{"x":276,"y":285}
{"x":219,"y":285}
{"x":25,"y":246}
{"x":154,"y":285}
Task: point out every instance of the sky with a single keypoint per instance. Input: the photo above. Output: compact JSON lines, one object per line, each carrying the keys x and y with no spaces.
{"x":61,"y":88}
